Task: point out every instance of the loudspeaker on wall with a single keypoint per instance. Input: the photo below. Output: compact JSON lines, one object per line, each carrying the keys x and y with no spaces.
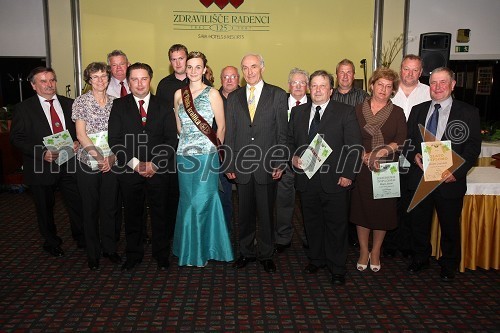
{"x":434,"y":50}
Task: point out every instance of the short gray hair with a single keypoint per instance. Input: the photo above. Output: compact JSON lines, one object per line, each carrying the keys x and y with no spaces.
{"x":296,"y":70}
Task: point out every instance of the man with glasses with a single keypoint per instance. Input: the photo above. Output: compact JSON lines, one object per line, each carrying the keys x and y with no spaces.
{"x":230,"y":79}
{"x":298,"y":80}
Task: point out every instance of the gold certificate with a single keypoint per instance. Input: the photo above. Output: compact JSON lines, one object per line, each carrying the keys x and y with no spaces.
{"x":436,"y":158}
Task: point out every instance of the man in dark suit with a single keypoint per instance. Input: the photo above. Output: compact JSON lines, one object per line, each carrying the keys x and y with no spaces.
{"x":35,"y":118}
{"x":256,"y":124}
{"x":142,"y":135}
{"x":460,"y":123}
{"x":298,"y":81}
{"x":324,"y":197}
{"x":230,"y":79}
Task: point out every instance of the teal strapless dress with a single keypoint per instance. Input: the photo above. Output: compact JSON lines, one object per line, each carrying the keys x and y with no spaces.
{"x":201,"y":232}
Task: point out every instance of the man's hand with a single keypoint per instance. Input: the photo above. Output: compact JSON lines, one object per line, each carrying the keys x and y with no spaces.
{"x":344,"y":182}
{"x":76,"y":145}
{"x":106,"y":163}
{"x":231,"y":175}
{"x":50,"y":155}
{"x":297,"y":162}
{"x":418,"y":161}
{"x":448,"y":177}
{"x":277,"y":174}
{"x":146,"y":169}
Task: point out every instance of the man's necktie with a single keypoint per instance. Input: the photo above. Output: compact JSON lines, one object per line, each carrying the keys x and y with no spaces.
{"x":54,"y":118}
{"x":144,"y":115}
{"x":432,"y":124}
{"x":251,"y":103}
{"x":123,"y":90}
{"x":313,"y":129}
{"x":297,"y":103}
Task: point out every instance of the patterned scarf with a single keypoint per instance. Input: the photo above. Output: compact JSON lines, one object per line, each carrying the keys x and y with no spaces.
{"x":375,"y":121}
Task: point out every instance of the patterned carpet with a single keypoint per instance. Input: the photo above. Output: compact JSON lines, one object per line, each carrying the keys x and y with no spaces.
{"x":39,"y":293}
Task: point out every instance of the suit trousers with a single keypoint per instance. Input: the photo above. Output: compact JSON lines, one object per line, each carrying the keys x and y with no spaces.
{"x":44,"y":198}
{"x":99,"y":192}
{"x":448,"y":212}
{"x":326,"y":222}
{"x":134,"y":191}
{"x":255,"y":204}
{"x":226,"y":198}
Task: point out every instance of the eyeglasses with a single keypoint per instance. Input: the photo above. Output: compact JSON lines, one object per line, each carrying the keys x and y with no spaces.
{"x":101,"y":78}
{"x":227,"y":77}
{"x":298,"y":83}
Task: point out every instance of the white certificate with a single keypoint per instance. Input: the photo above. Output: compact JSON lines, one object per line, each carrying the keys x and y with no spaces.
{"x":315,"y":155}
{"x":385,"y":181}
{"x":62,"y":143}
{"x":100,"y":142}
{"x":437,"y":157}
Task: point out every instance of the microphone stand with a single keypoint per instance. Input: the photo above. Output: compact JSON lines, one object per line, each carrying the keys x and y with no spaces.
{"x":363,"y":65}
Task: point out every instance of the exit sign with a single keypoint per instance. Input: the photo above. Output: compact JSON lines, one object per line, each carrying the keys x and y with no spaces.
{"x":461,"y":48}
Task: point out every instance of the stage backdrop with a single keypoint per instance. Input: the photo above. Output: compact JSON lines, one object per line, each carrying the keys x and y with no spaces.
{"x":288,"y":33}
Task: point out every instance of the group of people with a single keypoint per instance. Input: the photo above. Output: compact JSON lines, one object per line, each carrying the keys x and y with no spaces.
{"x":176,"y":155}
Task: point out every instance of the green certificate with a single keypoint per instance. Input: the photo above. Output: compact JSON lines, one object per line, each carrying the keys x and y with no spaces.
{"x":385,"y":181}
{"x":100,"y":141}
{"x":315,"y":155}
{"x":436,"y":158}
{"x":61,"y":142}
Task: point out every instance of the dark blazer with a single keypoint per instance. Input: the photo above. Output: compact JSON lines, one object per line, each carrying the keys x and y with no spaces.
{"x":267,"y":130}
{"x":154,"y":142}
{"x":341,"y":131}
{"x":29,"y":127}
{"x":463,"y":117}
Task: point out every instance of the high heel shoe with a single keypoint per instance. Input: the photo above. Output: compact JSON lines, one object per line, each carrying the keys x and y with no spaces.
{"x":375,"y":268}
{"x":361,"y":267}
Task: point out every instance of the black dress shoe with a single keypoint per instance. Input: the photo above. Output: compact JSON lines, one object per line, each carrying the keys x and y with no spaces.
{"x":447,"y":275}
{"x":268,"y":265}
{"x":338,"y":279}
{"x":407,"y":253}
{"x":163,"y":264}
{"x":130,"y":264}
{"x":113,"y":257}
{"x":280,"y":248}
{"x":389,"y":253}
{"x":93,"y":264}
{"x":312,"y":268}
{"x":55,"y":251}
{"x":243,"y":261}
{"x":417,"y":266}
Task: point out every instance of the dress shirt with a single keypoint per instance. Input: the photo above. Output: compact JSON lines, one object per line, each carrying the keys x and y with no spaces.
{"x":135,"y":161}
{"x":256,"y":92}
{"x":418,"y":95}
{"x":444,"y":113}
{"x":313,"y":111}
{"x":292,"y":102}
{"x":57,"y":107}
{"x":114,"y":87}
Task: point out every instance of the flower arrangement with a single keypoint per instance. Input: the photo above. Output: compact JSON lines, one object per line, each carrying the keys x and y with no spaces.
{"x":490,"y":131}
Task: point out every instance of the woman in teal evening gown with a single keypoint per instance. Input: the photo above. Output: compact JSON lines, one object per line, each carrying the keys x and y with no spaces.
{"x":201,"y":232}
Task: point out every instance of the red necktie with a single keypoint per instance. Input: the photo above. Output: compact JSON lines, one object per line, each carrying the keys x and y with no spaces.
{"x":54,"y":118}
{"x":143,"y":112}
{"x":297,"y":103}
{"x":123,"y":90}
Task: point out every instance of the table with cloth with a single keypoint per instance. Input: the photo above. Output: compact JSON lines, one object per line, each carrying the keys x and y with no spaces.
{"x":480,"y":222}
{"x":488,"y":148}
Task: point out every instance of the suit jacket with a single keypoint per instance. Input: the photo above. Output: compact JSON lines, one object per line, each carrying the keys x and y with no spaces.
{"x":154,"y":142}
{"x":253,"y":146}
{"x":341,"y":131}
{"x":464,"y":117}
{"x":29,"y":127}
